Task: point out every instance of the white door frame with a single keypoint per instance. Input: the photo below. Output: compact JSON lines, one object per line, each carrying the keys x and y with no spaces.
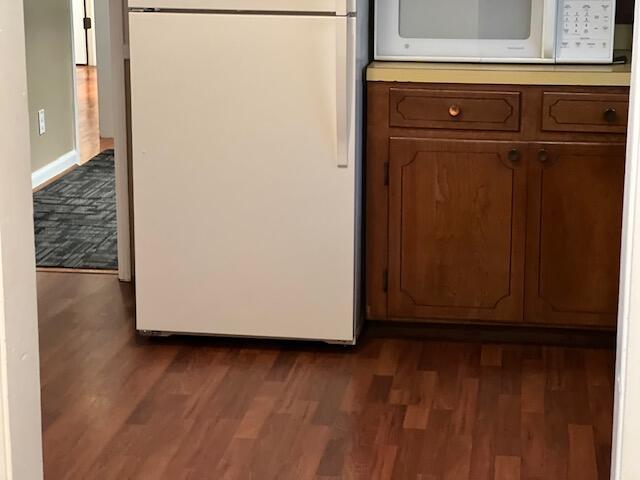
{"x":20,"y":452}
{"x":20,"y":417}
{"x":117,"y":12}
{"x":89,"y":40}
{"x":91,"y":35}
{"x":626,"y":428}
{"x":118,"y":92}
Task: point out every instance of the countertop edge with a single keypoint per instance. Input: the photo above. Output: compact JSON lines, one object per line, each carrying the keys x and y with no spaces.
{"x":498,"y":77}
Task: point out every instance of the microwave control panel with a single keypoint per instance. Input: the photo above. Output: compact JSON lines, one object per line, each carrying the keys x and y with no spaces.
{"x":585,"y":31}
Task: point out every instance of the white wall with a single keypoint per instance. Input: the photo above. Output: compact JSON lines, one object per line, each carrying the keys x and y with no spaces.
{"x":20,"y":438}
{"x":92,"y":31}
{"x":103,"y":52}
{"x":626,"y":436}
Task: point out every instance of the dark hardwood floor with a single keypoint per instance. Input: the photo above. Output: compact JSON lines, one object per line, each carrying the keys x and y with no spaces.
{"x":116,"y":406}
{"x":91,"y":143}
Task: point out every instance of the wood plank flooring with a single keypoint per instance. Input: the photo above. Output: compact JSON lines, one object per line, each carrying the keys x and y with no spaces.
{"x":88,"y":119}
{"x":116,"y":406}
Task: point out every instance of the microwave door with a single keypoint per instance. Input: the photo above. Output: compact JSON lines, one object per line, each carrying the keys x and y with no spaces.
{"x":460,"y":30}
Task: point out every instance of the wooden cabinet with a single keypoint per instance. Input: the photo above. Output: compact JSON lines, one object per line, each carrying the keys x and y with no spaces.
{"x":455,"y":109}
{"x":584,"y":112}
{"x":574,"y":227}
{"x":507,"y":218}
{"x":456,"y":229}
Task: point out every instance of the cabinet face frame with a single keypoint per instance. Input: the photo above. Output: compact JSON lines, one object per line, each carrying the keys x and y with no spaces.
{"x":432,"y":285}
{"x":376,"y":202}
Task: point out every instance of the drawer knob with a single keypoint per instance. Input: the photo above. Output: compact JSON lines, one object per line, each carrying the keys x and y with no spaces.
{"x":610,"y":115}
{"x":543,"y":156}
{"x":454,"y":111}
{"x":513,"y":155}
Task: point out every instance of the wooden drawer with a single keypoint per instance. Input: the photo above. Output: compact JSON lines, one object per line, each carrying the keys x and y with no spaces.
{"x":584,"y":112}
{"x":454,"y":109}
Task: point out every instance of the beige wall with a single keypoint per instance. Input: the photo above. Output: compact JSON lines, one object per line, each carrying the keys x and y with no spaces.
{"x":50,"y":78}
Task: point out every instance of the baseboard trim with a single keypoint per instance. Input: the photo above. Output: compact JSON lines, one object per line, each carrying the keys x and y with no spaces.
{"x":55,"y":168}
{"x":529,"y":335}
{"x":75,"y":270}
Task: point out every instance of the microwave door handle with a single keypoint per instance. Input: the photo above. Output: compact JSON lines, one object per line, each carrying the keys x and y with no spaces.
{"x":549,"y":27}
{"x":343,"y":89}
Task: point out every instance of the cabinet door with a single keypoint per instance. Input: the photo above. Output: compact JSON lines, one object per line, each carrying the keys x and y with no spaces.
{"x":456,"y":230}
{"x":574,"y":231}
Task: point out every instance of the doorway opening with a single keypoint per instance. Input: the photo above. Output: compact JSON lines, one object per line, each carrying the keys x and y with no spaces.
{"x":382,"y":384}
{"x":74,"y":193}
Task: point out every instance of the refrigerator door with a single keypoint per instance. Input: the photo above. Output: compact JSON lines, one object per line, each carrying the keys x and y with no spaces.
{"x":341,"y":7}
{"x":244,"y":208}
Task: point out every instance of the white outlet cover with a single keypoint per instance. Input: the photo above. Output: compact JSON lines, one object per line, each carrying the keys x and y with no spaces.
{"x":42,"y":127}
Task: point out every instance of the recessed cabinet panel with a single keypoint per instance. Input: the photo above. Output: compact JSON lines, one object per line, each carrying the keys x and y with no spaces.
{"x":585,"y":112}
{"x":575,"y":221}
{"x":454,"y":109}
{"x":456,"y":239}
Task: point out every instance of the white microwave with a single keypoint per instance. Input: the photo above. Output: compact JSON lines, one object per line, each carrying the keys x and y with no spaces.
{"x":505,"y":31}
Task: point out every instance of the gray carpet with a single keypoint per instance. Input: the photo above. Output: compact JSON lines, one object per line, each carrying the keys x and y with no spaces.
{"x":75,"y":218}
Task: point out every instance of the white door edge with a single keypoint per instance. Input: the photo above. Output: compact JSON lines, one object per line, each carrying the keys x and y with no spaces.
{"x":123,"y":210}
{"x":20,"y":407}
{"x":626,"y":427}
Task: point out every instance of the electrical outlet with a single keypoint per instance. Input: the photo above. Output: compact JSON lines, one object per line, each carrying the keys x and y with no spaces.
{"x":42,"y":126}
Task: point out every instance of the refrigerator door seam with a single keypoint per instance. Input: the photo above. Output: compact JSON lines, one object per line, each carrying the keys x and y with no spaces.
{"x":343,"y":100}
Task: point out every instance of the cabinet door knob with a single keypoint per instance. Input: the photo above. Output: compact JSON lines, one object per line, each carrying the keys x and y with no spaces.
{"x":455,"y":111}
{"x":543,"y":156}
{"x":610,"y":115}
{"x":513,"y":155}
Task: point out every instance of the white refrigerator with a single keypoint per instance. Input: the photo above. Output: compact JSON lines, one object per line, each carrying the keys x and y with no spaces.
{"x":247,"y":122}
